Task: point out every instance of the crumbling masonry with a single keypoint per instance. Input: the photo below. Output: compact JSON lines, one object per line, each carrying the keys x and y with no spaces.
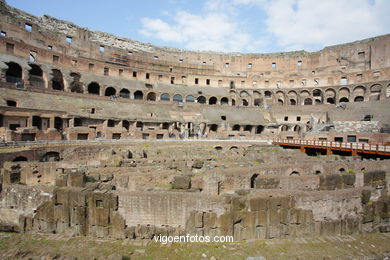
{"x":110,"y":137}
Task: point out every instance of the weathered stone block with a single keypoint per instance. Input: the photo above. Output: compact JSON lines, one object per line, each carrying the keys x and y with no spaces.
{"x":181,"y":182}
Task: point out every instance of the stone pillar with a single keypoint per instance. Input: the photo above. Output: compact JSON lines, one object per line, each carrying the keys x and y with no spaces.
{"x":253,"y":130}
{"x":71,"y":122}
{"x":29,"y":121}
{"x":51,"y":122}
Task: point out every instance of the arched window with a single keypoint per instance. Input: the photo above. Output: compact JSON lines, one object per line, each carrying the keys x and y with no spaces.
{"x":13,"y":73}
{"x":330,"y":100}
{"x":35,"y":76}
{"x":236,"y":128}
{"x":232,"y":85}
{"x":177,"y":98}
{"x":293,"y":102}
{"x":190,"y":98}
{"x":259,"y":129}
{"x":201,"y":100}
{"x":245,"y":102}
{"x":224,"y":101}
{"x":93,"y":88}
{"x":358,"y":99}
{"x":212,"y":101}
{"x":20,"y":159}
{"x":213,"y":128}
{"x":317,"y":93}
{"x":57,"y":81}
{"x":165,"y":97}
{"x":76,"y":86}
{"x":253,"y":181}
{"x":308,"y":101}
{"x":124,"y":93}
{"x":110,"y":91}
{"x":151,"y":96}
{"x":267,"y":94}
{"x":50,"y":157}
{"x":248,"y":128}
{"x":138,"y":95}
{"x":344,"y":99}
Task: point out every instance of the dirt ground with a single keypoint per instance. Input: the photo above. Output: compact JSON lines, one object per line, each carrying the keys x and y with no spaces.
{"x":43,"y":246}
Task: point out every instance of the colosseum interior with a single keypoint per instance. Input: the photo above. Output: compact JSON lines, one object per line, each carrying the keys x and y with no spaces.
{"x":104,"y":137}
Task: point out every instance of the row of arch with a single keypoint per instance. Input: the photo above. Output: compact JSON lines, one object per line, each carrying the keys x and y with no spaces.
{"x":256,"y":98}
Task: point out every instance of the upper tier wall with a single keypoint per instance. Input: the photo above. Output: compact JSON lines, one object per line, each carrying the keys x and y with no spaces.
{"x":322,"y":68}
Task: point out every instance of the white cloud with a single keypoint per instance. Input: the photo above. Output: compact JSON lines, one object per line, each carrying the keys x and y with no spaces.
{"x":211,"y":31}
{"x":299,"y":24}
{"x":289,"y":24}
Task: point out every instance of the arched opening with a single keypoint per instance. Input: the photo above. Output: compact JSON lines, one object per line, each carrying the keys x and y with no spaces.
{"x":257,"y":102}
{"x":233,"y":148}
{"x":57,"y":81}
{"x":139,"y":125}
{"x":165,"y":97}
{"x":297,"y":128}
{"x":110,"y":91}
{"x":245,"y":102}
{"x":94,"y":88}
{"x":344,"y":99}
{"x":224,"y":101}
{"x":35,"y":76}
{"x":317,"y":93}
{"x":218,"y":148}
{"x":20,"y":159}
{"x":284,"y":128}
{"x":126,"y":124}
{"x":293,"y":102}
{"x":124,"y":93}
{"x":236,"y":128}
{"x":294,"y":173}
{"x":253,"y":181}
{"x":13,"y":73}
{"x":330,"y":100}
{"x":308,"y":102}
{"x":11,"y":103}
{"x":151,"y":96}
{"x":375,"y":92}
{"x":267,"y":94}
{"x":190,"y":99}
{"x":76,"y":86}
{"x":233,"y":102}
{"x":165,"y":126}
{"x":37,"y":122}
{"x":232,"y":85}
{"x":259,"y":129}
{"x":280,"y":102}
{"x":212,"y":101}
{"x":318,"y":101}
{"x":213,"y":128}
{"x":358,"y":99}
{"x":58,"y":123}
{"x":248,"y":128}
{"x":50,"y":157}
{"x":110,"y":123}
{"x":201,"y":100}
{"x":138,"y":95}
{"x":177,"y":98}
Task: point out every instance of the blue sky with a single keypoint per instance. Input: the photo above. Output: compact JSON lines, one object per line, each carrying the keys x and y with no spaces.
{"x":248,"y":26}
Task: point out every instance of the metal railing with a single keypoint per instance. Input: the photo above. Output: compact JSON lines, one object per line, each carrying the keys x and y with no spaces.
{"x":340,"y":145}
